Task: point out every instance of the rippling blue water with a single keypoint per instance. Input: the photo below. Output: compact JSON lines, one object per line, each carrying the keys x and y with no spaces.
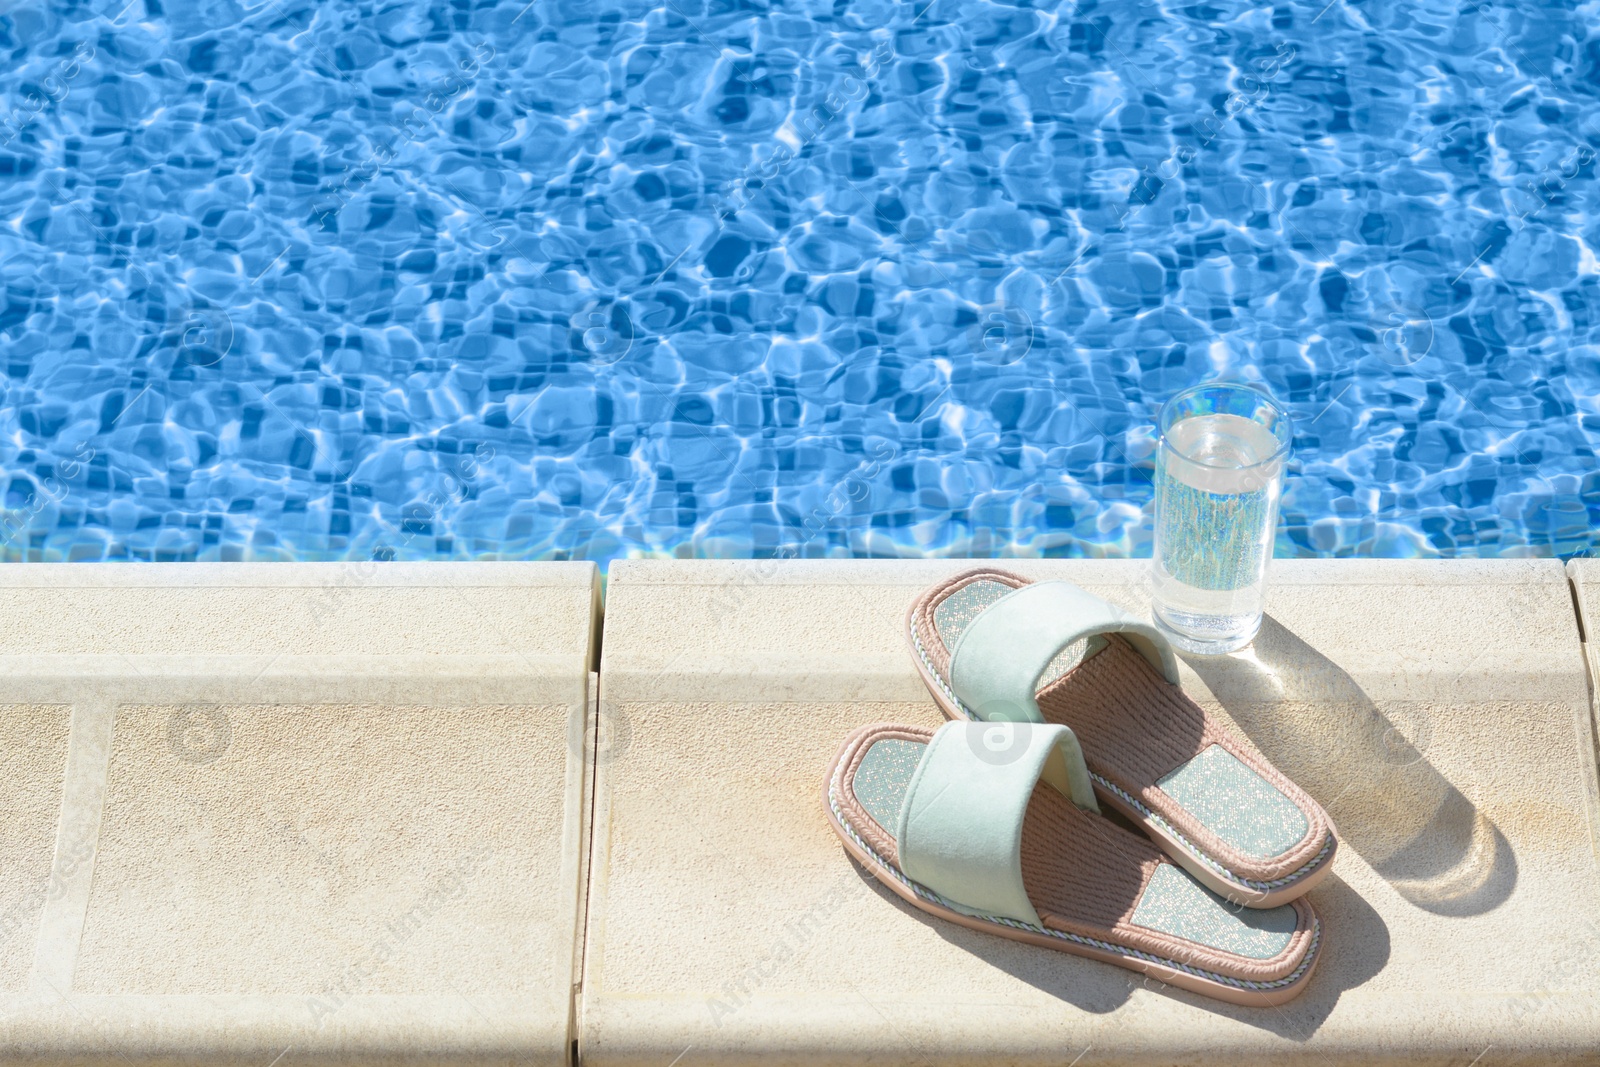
{"x":589,"y":279}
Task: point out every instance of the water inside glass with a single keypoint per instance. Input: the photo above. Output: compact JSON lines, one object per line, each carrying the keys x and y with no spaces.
{"x":1217,"y":485}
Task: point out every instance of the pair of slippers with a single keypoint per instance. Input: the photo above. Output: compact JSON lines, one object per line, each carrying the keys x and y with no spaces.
{"x":1067,"y":724}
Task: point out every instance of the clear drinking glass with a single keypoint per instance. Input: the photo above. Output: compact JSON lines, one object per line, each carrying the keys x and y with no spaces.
{"x":1219,"y":473}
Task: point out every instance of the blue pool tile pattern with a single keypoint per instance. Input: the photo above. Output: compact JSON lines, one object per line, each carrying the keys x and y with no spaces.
{"x":326,"y":280}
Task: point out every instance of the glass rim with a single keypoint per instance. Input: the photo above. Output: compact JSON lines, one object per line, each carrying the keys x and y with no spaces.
{"x":1278,"y":409}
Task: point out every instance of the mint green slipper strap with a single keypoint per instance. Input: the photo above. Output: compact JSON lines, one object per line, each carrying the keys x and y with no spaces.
{"x":997,"y":661}
{"x":960,"y":828}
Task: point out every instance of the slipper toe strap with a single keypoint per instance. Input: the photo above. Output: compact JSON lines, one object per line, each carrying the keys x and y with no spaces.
{"x":960,"y":827}
{"x":997,"y":661}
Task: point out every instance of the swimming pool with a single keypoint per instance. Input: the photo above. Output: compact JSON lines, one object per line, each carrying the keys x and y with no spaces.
{"x":291,"y":280}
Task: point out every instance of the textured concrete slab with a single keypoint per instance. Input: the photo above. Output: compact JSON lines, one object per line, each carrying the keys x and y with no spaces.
{"x":1440,"y":711}
{"x":33,"y":753}
{"x":1584,"y":574}
{"x":307,"y":814}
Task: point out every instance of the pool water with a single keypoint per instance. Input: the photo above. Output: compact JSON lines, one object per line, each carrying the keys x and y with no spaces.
{"x":319,"y":280}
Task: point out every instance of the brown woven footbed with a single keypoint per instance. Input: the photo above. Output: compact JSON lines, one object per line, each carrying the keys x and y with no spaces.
{"x":1135,"y":729}
{"x":1082,"y":872}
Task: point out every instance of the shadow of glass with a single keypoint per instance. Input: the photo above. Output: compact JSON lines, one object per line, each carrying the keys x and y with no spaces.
{"x":1390,"y":804}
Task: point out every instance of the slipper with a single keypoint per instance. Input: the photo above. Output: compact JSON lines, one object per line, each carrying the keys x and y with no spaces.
{"x":994,"y":646}
{"x":993,"y":826}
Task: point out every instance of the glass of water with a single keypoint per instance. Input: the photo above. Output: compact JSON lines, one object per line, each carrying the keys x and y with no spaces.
{"x":1219,"y":473}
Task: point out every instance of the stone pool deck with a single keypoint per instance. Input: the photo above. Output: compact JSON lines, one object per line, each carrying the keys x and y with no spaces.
{"x":279,"y":814}
{"x":293,"y":814}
